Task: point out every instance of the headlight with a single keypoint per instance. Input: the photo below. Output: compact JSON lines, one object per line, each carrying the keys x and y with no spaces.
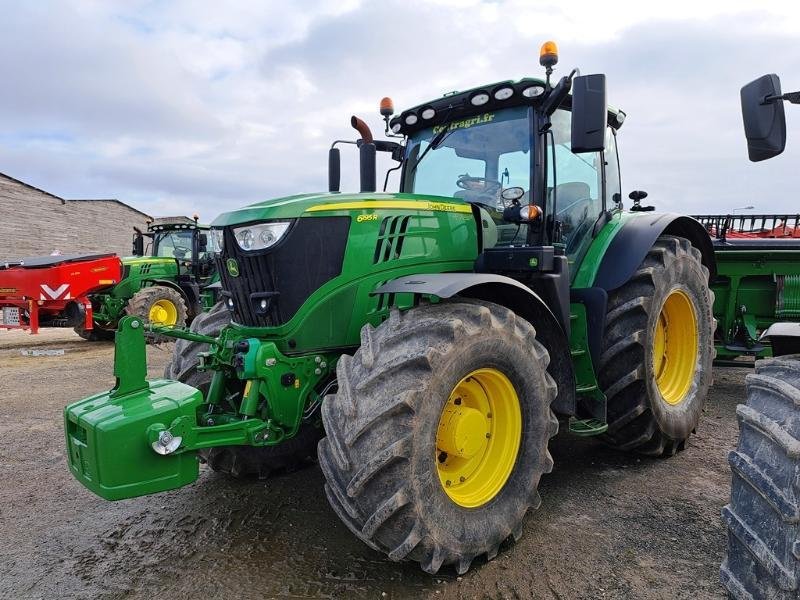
{"x":261,"y":235}
{"x":217,"y":241}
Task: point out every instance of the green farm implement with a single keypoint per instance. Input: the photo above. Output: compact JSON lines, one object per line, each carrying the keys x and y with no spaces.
{"x":757,"y":281}
{"x":427,"y":344}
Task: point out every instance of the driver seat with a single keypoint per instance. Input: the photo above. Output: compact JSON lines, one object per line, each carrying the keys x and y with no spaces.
{"x":567,"y":194}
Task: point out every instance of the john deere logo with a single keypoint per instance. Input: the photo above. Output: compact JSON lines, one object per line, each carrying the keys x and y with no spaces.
{"x":233,"y":267}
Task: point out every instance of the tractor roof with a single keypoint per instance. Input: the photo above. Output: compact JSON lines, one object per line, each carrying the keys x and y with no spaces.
{"x":492,"y":97}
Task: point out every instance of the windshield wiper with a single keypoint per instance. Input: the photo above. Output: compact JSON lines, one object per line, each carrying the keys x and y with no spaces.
{"x":435,"y":143}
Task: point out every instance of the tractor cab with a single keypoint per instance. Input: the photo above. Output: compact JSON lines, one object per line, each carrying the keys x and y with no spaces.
{"x":538,"y":160}
{"x":181,"y":239}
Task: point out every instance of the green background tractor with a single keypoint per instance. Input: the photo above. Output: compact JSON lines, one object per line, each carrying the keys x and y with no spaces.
{"x":166,"y":281}
{"x":434,"y":339}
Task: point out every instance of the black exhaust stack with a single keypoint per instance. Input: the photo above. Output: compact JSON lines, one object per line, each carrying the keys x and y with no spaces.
{"x":334,"y":169}
{"x":366,"y":155}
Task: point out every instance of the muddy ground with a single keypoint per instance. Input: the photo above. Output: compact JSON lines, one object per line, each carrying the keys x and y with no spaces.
{"x":611,"y":525}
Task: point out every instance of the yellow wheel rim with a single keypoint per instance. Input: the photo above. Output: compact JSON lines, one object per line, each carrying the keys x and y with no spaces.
{"x":675,"y":347}
{"x":163,"y":312}
{"x":478,"y":437}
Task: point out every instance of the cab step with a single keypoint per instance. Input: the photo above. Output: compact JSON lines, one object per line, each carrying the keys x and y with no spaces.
{"x":586,"y":427}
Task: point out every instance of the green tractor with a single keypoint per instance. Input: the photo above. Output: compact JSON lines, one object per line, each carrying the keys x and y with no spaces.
{"x":433,"y":340}
{"x":168,"y":282}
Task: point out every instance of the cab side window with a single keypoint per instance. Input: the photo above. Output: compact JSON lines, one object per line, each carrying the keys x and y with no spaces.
{"x":575,"y":187}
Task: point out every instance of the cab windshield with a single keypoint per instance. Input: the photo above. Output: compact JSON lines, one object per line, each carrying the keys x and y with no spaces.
{"x":174,"y":244}
{"x":475,"y":158}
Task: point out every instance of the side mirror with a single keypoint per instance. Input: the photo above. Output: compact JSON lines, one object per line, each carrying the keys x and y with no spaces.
{"x":589,"y":113}
{"x":138,"y":244}
{"x":764,"y":119}
{"x":202,"y":242}
{"x":334,"y":169}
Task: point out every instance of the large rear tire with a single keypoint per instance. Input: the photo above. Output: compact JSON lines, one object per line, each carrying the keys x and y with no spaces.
{"x":763,"y":517}
{"x":438,"y":435}
{"x":241,"y":462}
{"x":655,"y":368}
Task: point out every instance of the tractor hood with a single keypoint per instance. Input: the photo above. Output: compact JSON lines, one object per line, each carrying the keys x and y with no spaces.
{"x":292,"y":207}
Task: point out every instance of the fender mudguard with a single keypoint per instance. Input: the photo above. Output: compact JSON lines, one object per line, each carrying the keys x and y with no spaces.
{"x":513,"y":295}
{"x":629,"y":247}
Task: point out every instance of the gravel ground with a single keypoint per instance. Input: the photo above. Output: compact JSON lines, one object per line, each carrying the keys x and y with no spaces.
{"x":611,"y":525}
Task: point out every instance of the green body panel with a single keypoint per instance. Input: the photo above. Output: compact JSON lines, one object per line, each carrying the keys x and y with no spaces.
{"x":585,"y":273}
{"x":441,"y":236}
{"x":141,"y":270}
{"x":753,"y":290}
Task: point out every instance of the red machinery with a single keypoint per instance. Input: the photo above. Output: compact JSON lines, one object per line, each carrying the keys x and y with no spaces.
{"x":53,"y":289}
{"x":724,"y":227}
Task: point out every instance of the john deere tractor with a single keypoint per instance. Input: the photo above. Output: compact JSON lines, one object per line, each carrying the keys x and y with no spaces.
{"x":165,"y":281}
{"x":432,"y":340}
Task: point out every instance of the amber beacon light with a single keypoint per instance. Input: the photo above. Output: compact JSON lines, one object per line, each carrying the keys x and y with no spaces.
{"x":387,"y":107}
{"x":548,"y":54}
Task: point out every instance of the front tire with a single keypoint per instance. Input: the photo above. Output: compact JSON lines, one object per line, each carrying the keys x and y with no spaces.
{"x":412,"y":414}
{"x":655,"y":368}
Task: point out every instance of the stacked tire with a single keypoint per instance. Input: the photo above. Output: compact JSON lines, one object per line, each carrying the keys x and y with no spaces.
{"x":763,"y":517}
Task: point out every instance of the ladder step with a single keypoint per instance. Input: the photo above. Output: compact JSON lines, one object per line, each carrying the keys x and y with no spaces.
{"x":586,"y":427}
{"x":586,"y":389}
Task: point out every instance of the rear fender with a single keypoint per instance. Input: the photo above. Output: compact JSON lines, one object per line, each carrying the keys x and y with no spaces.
{"x":637,"y":236}
{"x":514,"y":296}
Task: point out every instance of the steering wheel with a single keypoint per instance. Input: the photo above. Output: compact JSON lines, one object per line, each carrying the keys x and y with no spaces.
{"x":179,"y":252}
{"x":480,"y":185}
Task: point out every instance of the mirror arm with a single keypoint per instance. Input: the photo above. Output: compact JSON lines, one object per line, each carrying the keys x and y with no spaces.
{"x":790,"y":97}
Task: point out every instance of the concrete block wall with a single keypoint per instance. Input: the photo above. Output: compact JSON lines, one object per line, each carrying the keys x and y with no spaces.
{"x":35,"y":223}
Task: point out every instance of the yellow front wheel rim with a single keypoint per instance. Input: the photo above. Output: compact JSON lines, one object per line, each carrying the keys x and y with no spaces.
{"x":478,"y":437}
{"x":675,"y":349}
{"x":163,"y":312}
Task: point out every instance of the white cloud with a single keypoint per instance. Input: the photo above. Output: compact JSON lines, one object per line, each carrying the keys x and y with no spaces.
{"x":191,"y":105}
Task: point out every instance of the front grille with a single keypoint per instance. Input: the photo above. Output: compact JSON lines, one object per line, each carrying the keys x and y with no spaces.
{"x":284,"y":276}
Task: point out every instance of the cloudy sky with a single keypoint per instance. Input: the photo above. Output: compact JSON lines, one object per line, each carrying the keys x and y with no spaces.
{"x":203,"y":105}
